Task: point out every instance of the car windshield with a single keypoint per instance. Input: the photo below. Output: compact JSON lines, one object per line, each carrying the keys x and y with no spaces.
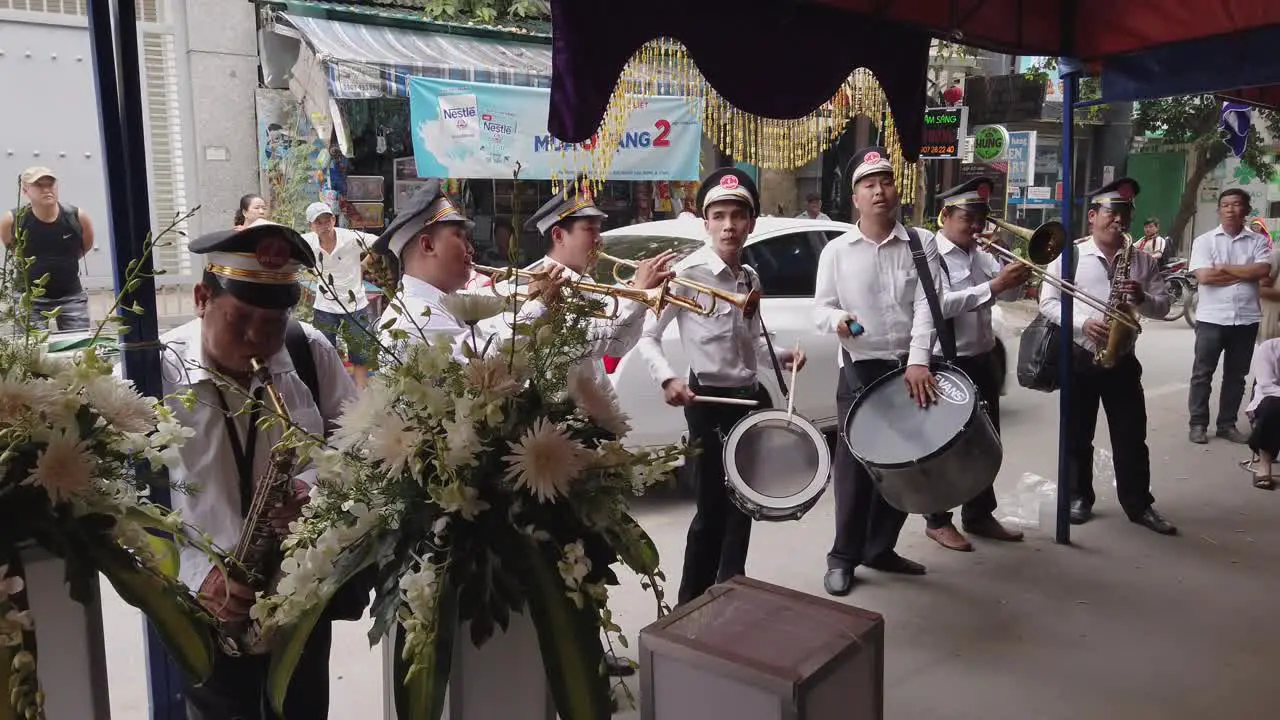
{"x":639,"y":247}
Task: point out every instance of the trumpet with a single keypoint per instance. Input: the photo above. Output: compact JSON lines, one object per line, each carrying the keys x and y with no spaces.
{"x":1043,"y":245}
{"x":748,"y":302}
{"x":656,"y":299}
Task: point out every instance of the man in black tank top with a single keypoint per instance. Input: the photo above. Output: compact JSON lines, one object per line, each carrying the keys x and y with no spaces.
{"x":56,"y":236}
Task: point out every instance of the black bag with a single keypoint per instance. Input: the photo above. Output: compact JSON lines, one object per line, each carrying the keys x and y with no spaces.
{"x":1039,"y":348}
{"x":350,"y":601}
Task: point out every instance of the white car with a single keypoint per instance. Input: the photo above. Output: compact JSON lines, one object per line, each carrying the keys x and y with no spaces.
{"x":784,"y":251}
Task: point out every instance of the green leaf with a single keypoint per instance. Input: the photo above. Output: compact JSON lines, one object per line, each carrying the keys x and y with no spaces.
{"x":568,"y":636}
{"x":634,"y":546}
{"x":422,"y":696}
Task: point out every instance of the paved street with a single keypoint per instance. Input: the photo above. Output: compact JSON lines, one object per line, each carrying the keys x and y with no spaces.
{"x":1122,"y":624}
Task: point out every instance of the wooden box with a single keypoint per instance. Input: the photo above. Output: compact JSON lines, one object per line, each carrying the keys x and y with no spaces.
{"x":749,"y":650}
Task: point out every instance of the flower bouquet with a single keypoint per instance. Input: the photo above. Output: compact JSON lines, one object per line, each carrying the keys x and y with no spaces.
{"x":478,"y":487}
{"x":77,"y":446}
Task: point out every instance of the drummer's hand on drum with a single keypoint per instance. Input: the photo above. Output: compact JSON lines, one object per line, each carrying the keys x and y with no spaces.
{"x":842,"y":327}
{"x":677,"y":393}
{"x":921,"y":385}
{"x":652,"y":272}
{"x":1096,"y":330}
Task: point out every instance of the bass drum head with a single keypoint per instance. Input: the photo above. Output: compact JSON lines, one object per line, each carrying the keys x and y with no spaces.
{"x":776,"y":467}
{"x":887,"y":428}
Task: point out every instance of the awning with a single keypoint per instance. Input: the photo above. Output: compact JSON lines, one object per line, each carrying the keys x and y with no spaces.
{"x":372,"y":61}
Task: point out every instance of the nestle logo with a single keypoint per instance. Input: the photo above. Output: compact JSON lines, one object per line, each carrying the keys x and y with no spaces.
{"x":498,"y":128}
{"x":459,"y":113}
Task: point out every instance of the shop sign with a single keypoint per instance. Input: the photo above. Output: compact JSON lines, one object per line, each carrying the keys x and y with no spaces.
{"x":990,"y":143}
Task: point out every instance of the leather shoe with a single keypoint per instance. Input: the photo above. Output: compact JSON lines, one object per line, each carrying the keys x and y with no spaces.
{"x":1155,"y":522}
{"x":1081,"y":512}
{"x":949,"y":537}
{"x":1198,"y":436}
{"x":618,"y":667}
{"x":892,"y":562}
{"x":990,"y":528}
{"x":1234,"y":435}
{"x":838,"y":581}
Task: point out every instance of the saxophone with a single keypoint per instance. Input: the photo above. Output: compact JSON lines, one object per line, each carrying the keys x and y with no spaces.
{"x":1121,"y":337}
{"x":256,"y":559}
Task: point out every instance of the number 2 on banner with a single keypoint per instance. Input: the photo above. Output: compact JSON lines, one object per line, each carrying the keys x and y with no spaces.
{"x":664,"y":129}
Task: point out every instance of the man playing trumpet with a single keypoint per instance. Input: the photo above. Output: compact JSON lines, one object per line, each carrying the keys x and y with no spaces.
{"x":1118,"y":388}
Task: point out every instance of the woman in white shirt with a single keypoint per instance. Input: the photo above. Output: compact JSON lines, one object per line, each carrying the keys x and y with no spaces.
{"x":1264,"y":411}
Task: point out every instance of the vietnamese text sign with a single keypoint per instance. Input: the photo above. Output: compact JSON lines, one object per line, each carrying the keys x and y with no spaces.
{"x":480,"y":130}
{"x":943,"y":130}
{"x":1022,"y":157}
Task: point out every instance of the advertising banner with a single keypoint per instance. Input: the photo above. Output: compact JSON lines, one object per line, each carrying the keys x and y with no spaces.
{"x":481,"y":130}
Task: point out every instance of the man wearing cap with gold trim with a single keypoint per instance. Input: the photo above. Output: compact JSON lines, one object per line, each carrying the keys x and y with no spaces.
{"x":1118,"y":389}
{"x":243,"y":305}
{"x":973,"y":280}
{"x":724,"y":352}
{"x":868,"y":276}
{"x":57,"y":236}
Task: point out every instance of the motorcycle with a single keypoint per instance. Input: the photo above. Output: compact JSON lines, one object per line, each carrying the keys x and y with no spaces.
{"x":1180,"y":283}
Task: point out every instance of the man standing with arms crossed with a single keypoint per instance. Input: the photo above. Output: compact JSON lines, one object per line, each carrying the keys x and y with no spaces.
{"x":868,"y":277}
{"x":724,"y":351}
{"x":1229,"y":261}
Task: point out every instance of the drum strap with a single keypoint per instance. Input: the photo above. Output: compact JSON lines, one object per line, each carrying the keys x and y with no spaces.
{"x":777,"y":367}
{"x":946,"y":333}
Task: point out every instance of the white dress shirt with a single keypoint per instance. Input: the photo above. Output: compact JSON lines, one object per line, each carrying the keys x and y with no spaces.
{"x":724,"y":349}
{"x":1266,"y":372}
{"x":207,"y":463}
{"x":407,"y":311}
{"x":879,"y":286}
{"x":607,"y":336}
{"x":343,"y":265}
{"x":1092,"y":275}
{"x":968,"y":297}
{"x":1235,"y":304}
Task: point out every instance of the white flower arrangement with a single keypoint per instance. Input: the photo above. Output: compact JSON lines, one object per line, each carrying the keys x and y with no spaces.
{"x":77,"y":447}
{"x":476,"y":488}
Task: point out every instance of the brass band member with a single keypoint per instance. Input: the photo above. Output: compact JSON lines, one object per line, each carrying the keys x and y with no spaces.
{"x":1119,"y":388}
{"x":724,"y":352}
{"x":242,"y":305}
{"x":974,"y":280}
{"x":868,"y":276}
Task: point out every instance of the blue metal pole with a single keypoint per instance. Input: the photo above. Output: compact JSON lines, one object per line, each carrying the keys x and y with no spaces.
{"x":1066,"y":353}
{"x":114,"y":43}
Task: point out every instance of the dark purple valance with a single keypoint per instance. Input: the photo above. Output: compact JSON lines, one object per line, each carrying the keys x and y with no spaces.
{"x":768,"y":58}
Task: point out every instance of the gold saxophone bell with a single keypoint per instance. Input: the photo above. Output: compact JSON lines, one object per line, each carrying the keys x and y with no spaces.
{"x":747,"y":302}
{"x":656,"y":299}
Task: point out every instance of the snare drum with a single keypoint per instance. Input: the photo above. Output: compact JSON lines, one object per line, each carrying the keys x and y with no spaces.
{"x":925,"y":460}
{"x":776,"y":467}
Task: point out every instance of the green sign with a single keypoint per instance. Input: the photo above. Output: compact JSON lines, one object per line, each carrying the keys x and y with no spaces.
{"x":990,"y":143}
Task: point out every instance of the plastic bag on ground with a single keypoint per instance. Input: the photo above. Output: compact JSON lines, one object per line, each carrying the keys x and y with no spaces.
{"x":1034,"y":501}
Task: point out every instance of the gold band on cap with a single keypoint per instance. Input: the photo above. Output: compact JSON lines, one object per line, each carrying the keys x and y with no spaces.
{"x":445,"y":209}
{"x":965,"y":200}
{"x":585,"y":202}
{"x":270,"y":277}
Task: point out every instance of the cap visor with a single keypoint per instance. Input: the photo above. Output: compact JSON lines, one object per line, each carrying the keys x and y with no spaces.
{"x":271,"y":297}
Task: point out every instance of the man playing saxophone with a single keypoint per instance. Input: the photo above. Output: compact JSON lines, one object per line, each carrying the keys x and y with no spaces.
{"x":243,"y":304}
{"x":1116,"y":383}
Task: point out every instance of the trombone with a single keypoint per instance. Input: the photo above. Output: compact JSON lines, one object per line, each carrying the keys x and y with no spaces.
{"x":748,"y":302}
{"x":1043,"y":245}
{"x":654,"y":298}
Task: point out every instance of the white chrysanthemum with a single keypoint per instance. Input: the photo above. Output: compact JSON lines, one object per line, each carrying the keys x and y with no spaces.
{"x":427,"y":397}
{"x":492,"y":377}
{"x":472,"y":308}
{"x":597,"y":401}
{"x":395,"y":443}
{"x":17,"y":398}
{"x":120,"y":404}
{"x":363,"y":415}
{"x":64,"y":468}
{"x":545,"y":460}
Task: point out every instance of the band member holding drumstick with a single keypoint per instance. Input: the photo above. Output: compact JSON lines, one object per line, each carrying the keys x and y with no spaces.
{"x":974,"y":280}
{"x":1119,"y":388}
{"x":870,"y":293}
{"x":724,"y":351}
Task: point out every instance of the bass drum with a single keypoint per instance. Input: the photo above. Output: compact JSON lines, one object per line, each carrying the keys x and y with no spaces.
{"x":925,"y":460}
{"x":776,"y":466}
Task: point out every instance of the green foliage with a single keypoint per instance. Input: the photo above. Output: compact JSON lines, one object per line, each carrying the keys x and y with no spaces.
{"x":487,"y":12}
{"x":295,"y":173}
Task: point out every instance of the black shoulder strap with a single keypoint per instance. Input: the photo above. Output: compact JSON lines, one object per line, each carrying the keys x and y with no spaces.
{"x":72,"y":214}
{"x":753,"y":281}
{"x":299,"y":347}
{"x":946,"y":328}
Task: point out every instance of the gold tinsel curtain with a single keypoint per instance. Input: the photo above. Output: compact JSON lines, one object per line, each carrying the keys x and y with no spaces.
{"x":663,"y":67}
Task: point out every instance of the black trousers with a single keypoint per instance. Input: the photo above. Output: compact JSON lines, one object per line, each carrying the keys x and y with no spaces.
{"x":237,"y":690}
{"x":867,"y":527}
{"x":982,"y":370}
{"x":1119,"y":391}
{"x":716,"y":547}
{"x":1265,"y":436}
{"x":1234,"y":344}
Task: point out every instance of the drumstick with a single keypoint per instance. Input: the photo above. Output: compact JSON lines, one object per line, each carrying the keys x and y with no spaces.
{"x":791,"y":396}
{"x":725,"y":400}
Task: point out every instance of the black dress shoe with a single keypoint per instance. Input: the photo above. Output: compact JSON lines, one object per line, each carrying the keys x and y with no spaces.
{"x":1081,"y":511}
{"x":892,"y":562}
{"x":838,"y":581}
{"x":618,"y":667}
{"x":1155,"y":522}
